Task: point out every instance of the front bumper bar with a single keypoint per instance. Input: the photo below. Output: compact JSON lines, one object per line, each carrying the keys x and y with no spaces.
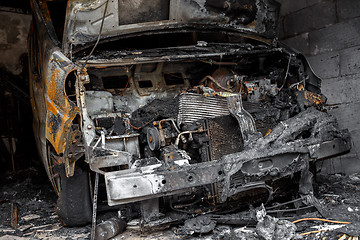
{"x":232,"y":176}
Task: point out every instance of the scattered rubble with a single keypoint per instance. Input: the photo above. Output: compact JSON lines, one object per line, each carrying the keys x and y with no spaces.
{"x":30,"y":217}
{"x":271,"y":228}
{"x":200,"y":224}
{"x":35,"y":200}
{"x":37,"y":220}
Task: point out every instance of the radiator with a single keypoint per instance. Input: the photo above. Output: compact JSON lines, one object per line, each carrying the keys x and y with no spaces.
{"x":194,"y":107}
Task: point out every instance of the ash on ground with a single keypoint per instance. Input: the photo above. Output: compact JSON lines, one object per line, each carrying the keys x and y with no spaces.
{"x":27,"y":211}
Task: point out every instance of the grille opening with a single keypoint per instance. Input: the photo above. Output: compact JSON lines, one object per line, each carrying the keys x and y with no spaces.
{"x":145,"y":84}
{"x":116,"y":82}
{"x":173,"y":79}
{"x":114,"y":168}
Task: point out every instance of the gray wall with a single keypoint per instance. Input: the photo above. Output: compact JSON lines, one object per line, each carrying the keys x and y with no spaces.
{"x":328,"y":33}
{"x":14,"y":28}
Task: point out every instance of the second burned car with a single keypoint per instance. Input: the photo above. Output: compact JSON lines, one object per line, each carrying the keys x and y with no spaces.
{"x":183,"y":105}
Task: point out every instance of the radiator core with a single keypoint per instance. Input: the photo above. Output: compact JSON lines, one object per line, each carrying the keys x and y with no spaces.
{"x":194,"y":107}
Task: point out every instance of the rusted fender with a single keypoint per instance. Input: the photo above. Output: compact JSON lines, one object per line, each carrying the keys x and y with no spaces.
{"x":60,"y":110}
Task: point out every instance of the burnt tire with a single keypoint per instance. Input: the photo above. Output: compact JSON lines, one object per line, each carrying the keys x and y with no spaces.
{"x":73,"y":204}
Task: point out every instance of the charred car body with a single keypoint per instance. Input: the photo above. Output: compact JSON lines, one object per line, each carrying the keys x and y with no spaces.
{"x":183,"y":104}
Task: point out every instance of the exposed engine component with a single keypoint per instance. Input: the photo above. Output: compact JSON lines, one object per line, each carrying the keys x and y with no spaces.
{"x":225,"y":80}
{"x":184,"y":128}
{"x":194,"y":107}
{"x":257,"y":90}
{"x":172,"y":153}
{"x":225,"y":136}
{"x":153,"y":138}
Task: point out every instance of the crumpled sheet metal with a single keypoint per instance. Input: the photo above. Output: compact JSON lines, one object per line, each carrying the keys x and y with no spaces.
{"x":283,"y":139}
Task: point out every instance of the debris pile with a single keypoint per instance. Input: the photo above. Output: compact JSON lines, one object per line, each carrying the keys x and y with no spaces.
{"x":337,"y":194}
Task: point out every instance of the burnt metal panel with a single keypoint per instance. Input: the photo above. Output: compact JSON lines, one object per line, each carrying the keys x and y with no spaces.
{"x":123,"y":18}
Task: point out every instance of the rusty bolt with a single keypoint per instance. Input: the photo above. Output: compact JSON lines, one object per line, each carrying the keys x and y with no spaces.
{"x":89,"y":126}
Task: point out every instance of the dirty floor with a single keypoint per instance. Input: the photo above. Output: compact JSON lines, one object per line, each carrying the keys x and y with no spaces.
{"x":27,"y":204}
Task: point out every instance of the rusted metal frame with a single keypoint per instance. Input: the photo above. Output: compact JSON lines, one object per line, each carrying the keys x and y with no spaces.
{"x":87,"y":125}
{"x":60,"y":110}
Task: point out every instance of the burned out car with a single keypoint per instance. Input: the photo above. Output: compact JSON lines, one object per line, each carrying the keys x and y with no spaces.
{"x":181,"y":105}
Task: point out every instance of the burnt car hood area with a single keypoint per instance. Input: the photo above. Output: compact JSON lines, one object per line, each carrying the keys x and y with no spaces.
{"x":124,"y":17}
{"x":172,"y":112}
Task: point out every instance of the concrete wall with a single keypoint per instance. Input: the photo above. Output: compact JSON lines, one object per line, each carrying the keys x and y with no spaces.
{"x":14,"y":28}
{"x":328,"y":33}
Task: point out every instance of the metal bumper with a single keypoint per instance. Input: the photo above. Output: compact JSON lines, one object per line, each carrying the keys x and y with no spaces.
{"x":154,"y":181}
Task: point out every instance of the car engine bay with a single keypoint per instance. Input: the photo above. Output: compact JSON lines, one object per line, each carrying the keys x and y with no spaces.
{"x":202,"y":134}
